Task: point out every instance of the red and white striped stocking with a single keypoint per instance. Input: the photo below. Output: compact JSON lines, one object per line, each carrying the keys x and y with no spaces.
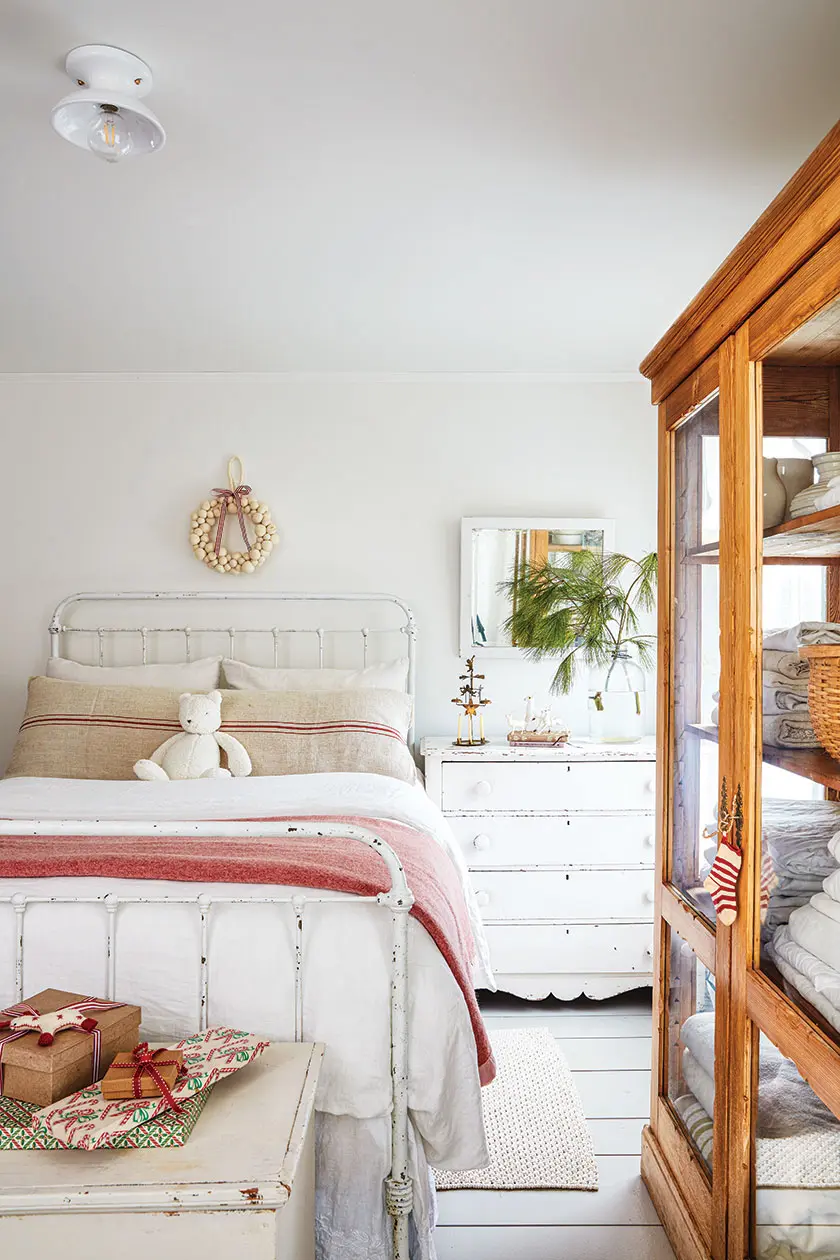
{"x":722,"y":882}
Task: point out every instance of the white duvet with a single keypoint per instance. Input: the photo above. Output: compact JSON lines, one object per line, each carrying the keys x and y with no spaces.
{"x":347,"y":948}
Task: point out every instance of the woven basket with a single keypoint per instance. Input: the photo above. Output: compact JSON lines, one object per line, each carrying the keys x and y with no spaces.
{"x":824,"y":694}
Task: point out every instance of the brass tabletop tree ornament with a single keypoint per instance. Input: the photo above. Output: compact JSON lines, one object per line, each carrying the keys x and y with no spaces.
{"x":472,"y":702}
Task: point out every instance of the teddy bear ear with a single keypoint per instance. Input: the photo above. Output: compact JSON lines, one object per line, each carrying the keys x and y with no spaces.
{"x":215,"y":696}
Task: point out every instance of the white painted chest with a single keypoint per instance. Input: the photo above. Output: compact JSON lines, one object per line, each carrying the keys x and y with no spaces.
{"x":243,"y":1186}
{"x":560,"y":846}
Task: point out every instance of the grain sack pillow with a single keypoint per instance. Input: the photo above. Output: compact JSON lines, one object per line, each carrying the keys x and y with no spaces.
{"x":75,"y":731}
{"x":300,"y":732}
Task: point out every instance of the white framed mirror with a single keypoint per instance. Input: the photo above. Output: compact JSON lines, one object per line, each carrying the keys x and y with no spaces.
{"x":493,"y":548}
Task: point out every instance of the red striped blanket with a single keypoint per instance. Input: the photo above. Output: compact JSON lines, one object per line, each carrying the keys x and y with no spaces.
{"x":328,"y":864}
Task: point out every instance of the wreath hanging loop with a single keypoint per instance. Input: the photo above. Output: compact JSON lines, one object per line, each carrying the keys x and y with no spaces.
{"x":207,"y":526}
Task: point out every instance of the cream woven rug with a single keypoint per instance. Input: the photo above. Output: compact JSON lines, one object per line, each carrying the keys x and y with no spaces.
{"x":537,"y":1134}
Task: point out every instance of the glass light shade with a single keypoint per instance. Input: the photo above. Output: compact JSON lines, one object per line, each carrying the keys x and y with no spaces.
{"x":109,"y":135}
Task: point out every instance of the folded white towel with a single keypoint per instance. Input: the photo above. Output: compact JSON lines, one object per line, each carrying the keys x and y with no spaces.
{"x":801,"y":982}
{"x":784,"y":665}
{"x":774,"y":678}
{"x":805,"y":632}
{"x":698,"y":1035}
{"x":826,"y":904}
{"x":789,"y":730}
{"x":788,"y":698}
{"x":831,"y":883}
{"x":698,"y":1080}
{"x":824,"y":979}
{"x":817,"y":933}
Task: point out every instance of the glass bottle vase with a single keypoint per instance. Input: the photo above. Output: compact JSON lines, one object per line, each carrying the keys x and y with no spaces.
{"x":617,"y":700}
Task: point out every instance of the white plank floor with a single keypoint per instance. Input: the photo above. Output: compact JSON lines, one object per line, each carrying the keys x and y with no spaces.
{"x":607,"y":1045}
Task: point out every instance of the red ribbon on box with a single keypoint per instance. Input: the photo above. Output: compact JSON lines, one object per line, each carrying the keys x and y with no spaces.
{"x":11,"y":1029}
{"x":147,"y":1064}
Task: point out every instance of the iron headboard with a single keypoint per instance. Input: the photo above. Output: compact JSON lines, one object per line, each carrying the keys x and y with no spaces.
{"x":144,"y":635}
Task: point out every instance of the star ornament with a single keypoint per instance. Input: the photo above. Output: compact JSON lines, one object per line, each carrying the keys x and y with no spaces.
{"x":50,"y":1025}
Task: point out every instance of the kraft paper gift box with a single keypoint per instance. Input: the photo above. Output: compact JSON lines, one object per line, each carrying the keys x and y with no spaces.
{"x":118,"y":1082}
{"x":39,"y":1074}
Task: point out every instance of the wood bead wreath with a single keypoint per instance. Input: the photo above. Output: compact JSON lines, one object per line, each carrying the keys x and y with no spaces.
{"x":207,"y":527}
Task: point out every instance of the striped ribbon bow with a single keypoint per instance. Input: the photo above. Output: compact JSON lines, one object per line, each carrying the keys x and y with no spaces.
{"x":23,"y":1020}
{"x":146,"y":1063}
{"x":226,"y":497}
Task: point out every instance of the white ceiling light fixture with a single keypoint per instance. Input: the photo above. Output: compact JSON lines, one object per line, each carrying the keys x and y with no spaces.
{"x":106,"y":114}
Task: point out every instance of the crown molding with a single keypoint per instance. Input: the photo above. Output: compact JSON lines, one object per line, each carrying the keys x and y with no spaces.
{"x":326,"y":378}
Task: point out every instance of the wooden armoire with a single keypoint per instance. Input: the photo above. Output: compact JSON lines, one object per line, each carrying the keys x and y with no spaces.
{"x":742,"y":1154}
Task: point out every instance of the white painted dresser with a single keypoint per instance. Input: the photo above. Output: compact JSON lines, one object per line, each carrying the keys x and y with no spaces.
{"x":560,"y":846}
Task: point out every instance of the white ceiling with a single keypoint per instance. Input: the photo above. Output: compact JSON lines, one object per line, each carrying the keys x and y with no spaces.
{"x":519,"y":186}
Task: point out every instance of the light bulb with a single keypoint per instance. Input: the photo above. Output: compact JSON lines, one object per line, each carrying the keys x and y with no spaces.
{"x":109,"y":136}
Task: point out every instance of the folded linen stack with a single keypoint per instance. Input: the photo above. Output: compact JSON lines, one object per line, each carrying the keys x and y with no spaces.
{"x":807,"y":949}
{"x":787,"y":1106}
{"x":786,"y":719}
{"x":796,"y":836}
{"x":787,"y":722}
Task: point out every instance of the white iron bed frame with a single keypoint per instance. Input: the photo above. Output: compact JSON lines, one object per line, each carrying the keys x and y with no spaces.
{"x":398,"y":900}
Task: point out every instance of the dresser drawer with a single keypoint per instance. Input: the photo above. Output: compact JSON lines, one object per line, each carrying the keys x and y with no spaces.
{"x":576,"y":947}
{"x":564,"y":895}
{"x":579,"y":840}
{"x":541,"y":786}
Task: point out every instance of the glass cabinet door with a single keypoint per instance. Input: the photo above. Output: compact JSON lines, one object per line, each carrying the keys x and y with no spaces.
{"x":695,"y":632}
{"x":690,"y":1063}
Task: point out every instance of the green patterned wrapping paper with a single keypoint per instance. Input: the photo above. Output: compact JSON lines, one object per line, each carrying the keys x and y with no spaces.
{"x":167,"y":1129}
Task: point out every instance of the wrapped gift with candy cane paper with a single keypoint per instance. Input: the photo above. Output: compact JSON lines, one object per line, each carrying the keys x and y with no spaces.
{"x":87,"y":1121}
{"x":170,"y":1128}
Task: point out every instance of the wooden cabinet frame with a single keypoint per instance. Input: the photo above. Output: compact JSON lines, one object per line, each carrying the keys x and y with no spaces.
{"x":785,"y":273}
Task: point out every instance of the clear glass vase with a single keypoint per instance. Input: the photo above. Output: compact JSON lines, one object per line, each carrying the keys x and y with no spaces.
{"x":617,"y":700}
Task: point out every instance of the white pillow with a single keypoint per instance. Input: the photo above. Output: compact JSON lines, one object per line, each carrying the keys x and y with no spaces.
{"x":201,"y":675}
{"x":387,"y":676}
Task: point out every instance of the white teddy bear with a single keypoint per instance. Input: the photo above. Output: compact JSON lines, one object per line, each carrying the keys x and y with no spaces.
{"x":194,"y":753}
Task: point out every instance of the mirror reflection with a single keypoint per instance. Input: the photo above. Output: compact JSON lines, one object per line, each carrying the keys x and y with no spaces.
{"x":496,"y":551}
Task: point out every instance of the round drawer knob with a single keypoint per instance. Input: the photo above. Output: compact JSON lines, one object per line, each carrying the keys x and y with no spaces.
{"x":649,"y":953}
{"x":483,"y":788}
{"x":482,"y":898}
{"x":649,"y":841}
{"x":649,"y":896}
{"x":481,"y":842}
{"x":650,"y":786}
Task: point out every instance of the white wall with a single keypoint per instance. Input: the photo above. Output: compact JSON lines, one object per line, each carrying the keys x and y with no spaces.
{"x":367,"y":481}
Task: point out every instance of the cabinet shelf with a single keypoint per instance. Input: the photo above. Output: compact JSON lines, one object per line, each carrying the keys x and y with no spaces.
{"x":811,"y":539}
{"x":808,"y":763}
